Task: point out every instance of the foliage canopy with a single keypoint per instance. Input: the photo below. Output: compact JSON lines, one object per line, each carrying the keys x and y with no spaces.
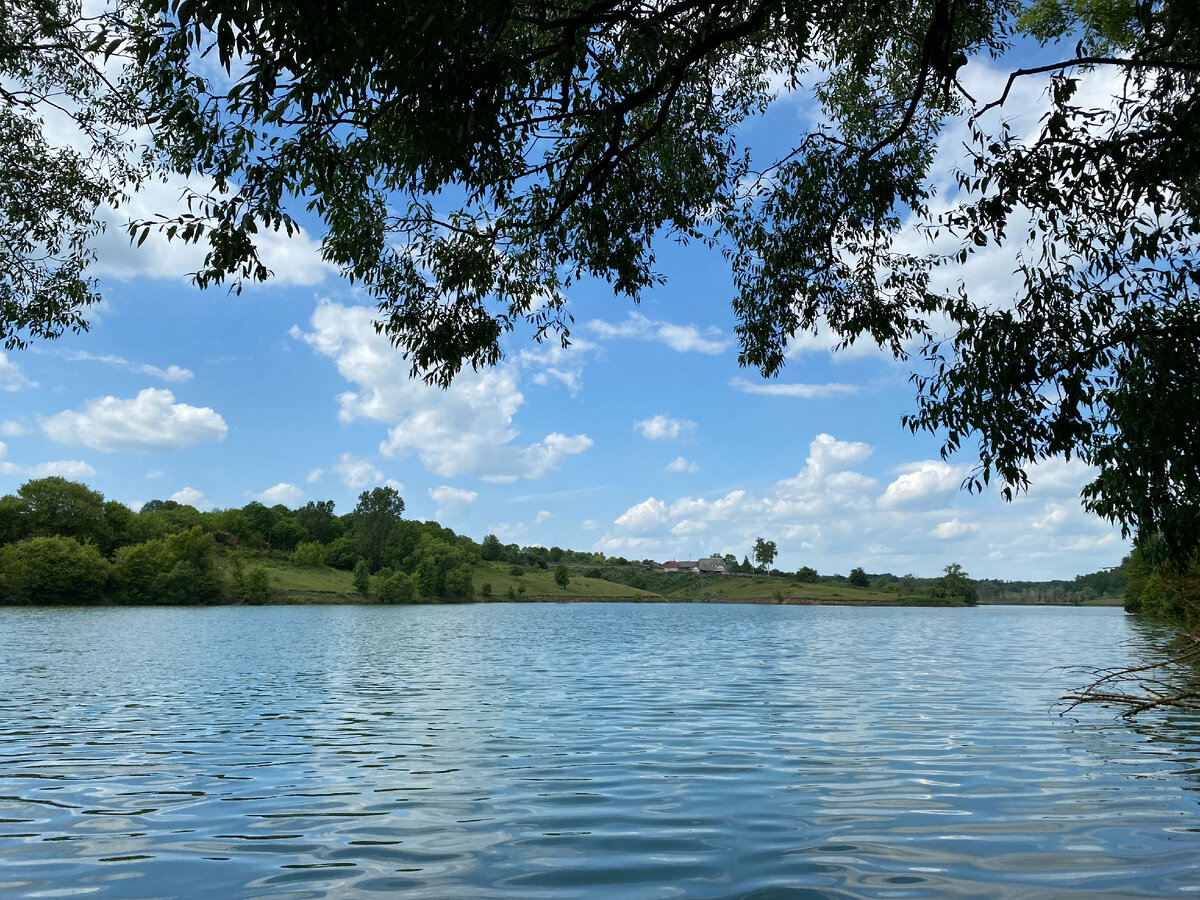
{"x":467,"y":167}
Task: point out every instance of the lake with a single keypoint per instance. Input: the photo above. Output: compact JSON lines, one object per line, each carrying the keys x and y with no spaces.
{"x":583,"y":750}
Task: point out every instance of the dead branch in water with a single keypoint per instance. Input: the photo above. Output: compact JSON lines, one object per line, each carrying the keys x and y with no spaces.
{"x":1170,"y":682}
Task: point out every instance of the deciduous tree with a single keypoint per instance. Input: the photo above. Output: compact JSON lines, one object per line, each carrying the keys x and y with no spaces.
{"x":574,"y":135}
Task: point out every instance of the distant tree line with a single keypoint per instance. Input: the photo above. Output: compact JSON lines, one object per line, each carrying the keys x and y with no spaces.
{"x":61,"y":542}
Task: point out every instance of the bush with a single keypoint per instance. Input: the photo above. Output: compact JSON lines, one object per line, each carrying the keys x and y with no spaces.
{"x":561,"y":576}
{"x":397,"y":588}
{"x":135,"y":568}
{"x":459,"y":585}
{"x":257,"y":585}
{"x":55,"y":570}
{"x":362,"y":577}
{"x":486,"y":590}
{"x":309,"y":553}
{"x":342,"y":553}
{"x":181,"y":585}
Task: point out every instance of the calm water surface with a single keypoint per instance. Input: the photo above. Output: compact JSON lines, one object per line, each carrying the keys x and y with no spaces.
{"x":606,"y":750}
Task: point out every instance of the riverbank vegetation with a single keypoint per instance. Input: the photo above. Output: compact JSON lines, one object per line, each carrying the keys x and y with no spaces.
{"x":1158,"y":592}
{"x":61,"y":542}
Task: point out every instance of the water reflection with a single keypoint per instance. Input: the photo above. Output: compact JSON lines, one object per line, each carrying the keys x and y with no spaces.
{"x":580,"y":751}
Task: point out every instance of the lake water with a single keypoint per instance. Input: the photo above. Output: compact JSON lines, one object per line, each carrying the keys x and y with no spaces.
{"x":588,"y":750}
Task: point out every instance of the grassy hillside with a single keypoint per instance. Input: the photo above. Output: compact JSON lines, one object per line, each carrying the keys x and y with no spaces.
{"x":322,"y":584}
{"x":681,"y":586}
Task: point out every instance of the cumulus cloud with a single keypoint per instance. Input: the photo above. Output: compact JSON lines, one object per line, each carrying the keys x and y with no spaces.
{"x":466,"y":429}
{"x":9,"y":428}
{"x":647,"y":514}
{"x":170,"y":373}
{"x":74,"y":469}
{"x":954,"y":528}
{"x":551,"y":362}
{"x":189,"y":496}
{"x":355,"y":473}
{"x":287,"y":494}
{"x":450,"y":498}
{"x":803,"y":391}
{"x":150,"y":421}
{"x":681,"y":338}
{"x":543,"y":515}
{"x":11,"y":378}
{"x":664,"y":428}
{"x":928,"y":481}
{"x":831,"y":515}
{"x":681,"y":464}
{"x":294,"y":260}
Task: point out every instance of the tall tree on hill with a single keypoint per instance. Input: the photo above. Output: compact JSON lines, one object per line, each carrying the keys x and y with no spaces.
{"x":378,"y":510}
{"x":764,"y":553}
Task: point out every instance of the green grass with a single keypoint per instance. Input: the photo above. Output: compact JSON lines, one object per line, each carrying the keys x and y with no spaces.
{"x":322,"y":584}
{"x":685,"y":586}
{"x":539,"y":584}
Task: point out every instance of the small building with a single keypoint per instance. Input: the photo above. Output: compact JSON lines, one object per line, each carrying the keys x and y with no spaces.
{"x":712,"y":565}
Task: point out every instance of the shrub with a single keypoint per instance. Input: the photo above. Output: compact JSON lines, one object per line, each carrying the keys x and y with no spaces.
{"x":458,"y":583}
{"x":257,"y":585}
{"x":309,"y":553}
{"x":362,"y":577}
{"x":56,"y":570}
{"x":342,"y":553}
{"x":397,"y":588}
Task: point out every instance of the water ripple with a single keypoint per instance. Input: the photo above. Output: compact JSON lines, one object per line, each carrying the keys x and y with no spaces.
{"x":580,"y":751}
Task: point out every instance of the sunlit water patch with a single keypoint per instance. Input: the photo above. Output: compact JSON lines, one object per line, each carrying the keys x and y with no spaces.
{"x":591,"y":750}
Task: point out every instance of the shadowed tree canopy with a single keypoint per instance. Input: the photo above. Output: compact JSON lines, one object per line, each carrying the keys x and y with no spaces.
{"x":468,"y":162}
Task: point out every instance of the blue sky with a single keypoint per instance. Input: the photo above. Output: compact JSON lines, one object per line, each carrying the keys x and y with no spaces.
{"x":643,"y":439}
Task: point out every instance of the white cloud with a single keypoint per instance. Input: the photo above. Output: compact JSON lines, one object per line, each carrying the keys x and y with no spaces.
{"x":830,"y":515}
{"x":66,"y":468}
{"x":170,"y":373}
{"x":355,"y":473}
{"x":543,"y":515}
{"x":954,"y":529}
{"x":928,"y":481}
{"x":287,"y":494}
{"x":550,"y":361}
{"x":74,"y":469}
{"x":664,"y":428}
{"x":445,"y":495}
{"x":150,"y":421}
{"x":294,"y":260}
{"x":681,"y":338}
{"x":466,"y":429}
{"x":9,"y":428}
{"x":681,"y":464}
{"x":1052,"y":518}
{"x":189,"y":496}
{"x":11,"y":378}
{"x":647,"y":514}
{"x":805,"y":391}
{"x":314,"y":476}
